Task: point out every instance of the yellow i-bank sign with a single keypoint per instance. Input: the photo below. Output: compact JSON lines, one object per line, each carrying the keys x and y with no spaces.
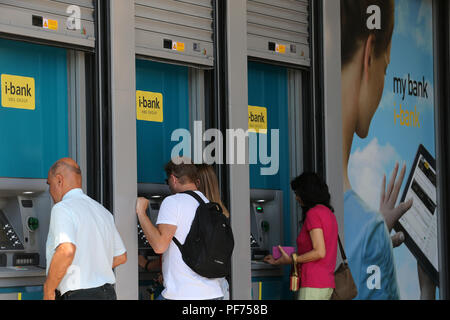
{"x":149,"y":106}
{"x":257,"y":119}
{"x":18,"y":92}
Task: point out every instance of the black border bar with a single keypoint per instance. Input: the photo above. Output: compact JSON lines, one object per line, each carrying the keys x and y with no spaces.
{"x":441,"y":13}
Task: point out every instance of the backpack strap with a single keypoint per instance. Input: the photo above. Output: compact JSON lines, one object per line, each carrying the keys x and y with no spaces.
{"x":195,"y":195}
{"x":177,"y":243}
{"x":200,"y":200}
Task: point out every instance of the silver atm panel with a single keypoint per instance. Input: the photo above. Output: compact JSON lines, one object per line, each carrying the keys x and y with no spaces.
{"x":266,"y":211}
{"x":278,"y":30}
{"x":25,"y":207}
{"x":27,"y":18}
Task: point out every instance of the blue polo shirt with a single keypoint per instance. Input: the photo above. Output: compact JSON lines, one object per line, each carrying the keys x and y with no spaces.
{"x":369,"y":251}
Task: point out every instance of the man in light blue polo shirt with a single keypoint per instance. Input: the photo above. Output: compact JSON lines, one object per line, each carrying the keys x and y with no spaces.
{"x":83,"y":244}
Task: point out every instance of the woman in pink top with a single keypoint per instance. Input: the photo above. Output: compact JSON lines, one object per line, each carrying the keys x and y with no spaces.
{"x":317,"y":241}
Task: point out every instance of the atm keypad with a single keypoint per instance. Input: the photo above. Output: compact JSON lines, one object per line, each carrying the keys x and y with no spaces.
{"x":142,"y":240}
{"x":8,"y":237}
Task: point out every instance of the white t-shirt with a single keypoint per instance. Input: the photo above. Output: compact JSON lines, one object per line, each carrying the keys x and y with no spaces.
{"x":80,"y":220}
{"x":180,"y":281}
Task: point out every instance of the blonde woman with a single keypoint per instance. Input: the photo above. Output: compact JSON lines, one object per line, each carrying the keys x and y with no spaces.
{"x":208,"y":184}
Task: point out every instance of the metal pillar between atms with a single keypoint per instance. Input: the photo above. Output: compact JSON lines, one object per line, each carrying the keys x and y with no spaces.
{"x":124,"y":167}
{"x":239,"y":174}
{"x":331,"y":20}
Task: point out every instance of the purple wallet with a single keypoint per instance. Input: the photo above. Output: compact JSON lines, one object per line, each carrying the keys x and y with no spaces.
{"x":277,"y":254}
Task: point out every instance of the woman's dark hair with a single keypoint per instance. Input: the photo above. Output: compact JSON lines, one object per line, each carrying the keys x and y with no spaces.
{"x":354,"y":29}
{"x":312,"y":190}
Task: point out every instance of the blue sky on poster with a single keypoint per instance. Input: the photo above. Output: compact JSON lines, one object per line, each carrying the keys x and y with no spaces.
{"x":387,"y":142}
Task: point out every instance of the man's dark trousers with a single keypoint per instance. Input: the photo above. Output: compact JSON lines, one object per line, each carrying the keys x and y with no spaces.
{"x":105,"y":292}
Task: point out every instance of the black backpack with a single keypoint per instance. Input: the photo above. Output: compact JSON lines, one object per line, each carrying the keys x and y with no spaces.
{"x":209,"y":243}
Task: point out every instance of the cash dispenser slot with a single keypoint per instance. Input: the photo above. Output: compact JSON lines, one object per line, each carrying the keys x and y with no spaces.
{"x":26,"y":259}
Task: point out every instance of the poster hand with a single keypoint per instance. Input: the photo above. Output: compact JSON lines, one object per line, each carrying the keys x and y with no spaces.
{"x":388,"y":200}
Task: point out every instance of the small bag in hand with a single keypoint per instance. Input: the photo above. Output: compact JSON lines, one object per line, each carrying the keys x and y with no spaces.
{"x":345,"y":285}
{"x":294,"y":280}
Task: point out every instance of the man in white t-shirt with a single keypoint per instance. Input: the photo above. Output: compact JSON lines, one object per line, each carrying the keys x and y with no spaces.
{"x":83,"y":244}
{"x":174,"y":220}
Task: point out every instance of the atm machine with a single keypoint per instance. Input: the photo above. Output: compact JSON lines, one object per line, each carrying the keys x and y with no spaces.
{"x":149,"y":287}
{"x":41,"y":121}
{"x":273,"y":212}
{"x":174,"y":51}
{"x":278,"y":54}
{"x":24,"y":221}
{"x":168,"y":86}
{"x":266,"y":232}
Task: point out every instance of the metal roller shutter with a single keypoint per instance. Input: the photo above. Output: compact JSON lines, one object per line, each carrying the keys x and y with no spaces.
{"x":47,"y":19}
{"x":178,"y":30}
{"x":278,"y":30}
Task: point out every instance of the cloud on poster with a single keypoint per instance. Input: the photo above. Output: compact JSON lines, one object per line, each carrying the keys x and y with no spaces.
{"x":367,"y":167}
{"x":419,"y":32}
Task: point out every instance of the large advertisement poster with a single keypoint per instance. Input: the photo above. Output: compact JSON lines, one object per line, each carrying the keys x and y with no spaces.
{"x":389,"y":148}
